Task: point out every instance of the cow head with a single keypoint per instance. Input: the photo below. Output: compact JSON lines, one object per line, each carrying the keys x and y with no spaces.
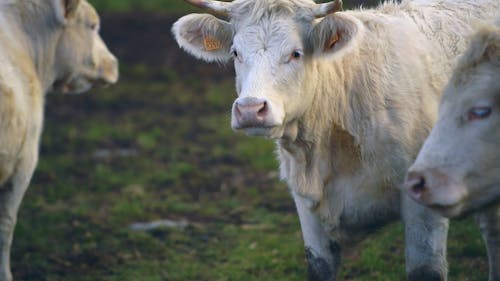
{"x":458,"y":168}
{"x":81,"y":59}
{"x":272,"y":44}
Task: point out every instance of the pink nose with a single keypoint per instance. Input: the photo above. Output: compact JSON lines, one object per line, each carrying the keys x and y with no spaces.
{"x":252,"y":113}
{"x":416,"y":185}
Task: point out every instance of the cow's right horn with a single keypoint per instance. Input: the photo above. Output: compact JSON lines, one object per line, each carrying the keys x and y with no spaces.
{"x":218,"y":7}
{"x":328,"y":8}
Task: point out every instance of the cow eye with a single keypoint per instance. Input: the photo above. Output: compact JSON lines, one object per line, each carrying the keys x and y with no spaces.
{"x":295,"y":55}
{"x":478,"y":113}
{"x":234,"y":53}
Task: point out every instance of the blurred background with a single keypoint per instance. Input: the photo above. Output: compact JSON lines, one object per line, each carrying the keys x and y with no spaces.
{"x":158,"y":147}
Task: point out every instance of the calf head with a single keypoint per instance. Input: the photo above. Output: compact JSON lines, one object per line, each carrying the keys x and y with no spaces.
{"x":82,"y":58}
{"x":458,"y":168}
{"x":69,"y":54}
{"x":272,"y":44}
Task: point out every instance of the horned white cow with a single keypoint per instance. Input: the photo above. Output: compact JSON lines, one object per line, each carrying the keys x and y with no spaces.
{"x":49,"y":45}
{"x":349,"y":98}
{"x":458,"y":169}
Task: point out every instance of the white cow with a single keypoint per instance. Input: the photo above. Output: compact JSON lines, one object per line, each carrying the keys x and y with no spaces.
{"x":349,"y":98}
{"x":458,"y":169}
{"x":48,"y":45}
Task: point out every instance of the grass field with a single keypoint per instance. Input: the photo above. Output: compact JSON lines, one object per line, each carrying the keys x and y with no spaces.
{"x":158,"y":145}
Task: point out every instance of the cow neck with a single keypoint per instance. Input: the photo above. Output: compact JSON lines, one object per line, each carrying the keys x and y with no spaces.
{"x":39,"y":44}
{"x":17,"y":44}
{"x":306,"y":162}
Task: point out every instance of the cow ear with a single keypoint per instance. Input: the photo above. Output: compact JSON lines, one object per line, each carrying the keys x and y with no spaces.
{"x":204,"y":36}
{"x":488,"y":45}
{"x":65,"y":9}
{"x":335,"y":35}
{"x":484,"y":47}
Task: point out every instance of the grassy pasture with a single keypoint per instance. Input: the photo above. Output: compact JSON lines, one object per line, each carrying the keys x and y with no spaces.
{"x":159,"y":146}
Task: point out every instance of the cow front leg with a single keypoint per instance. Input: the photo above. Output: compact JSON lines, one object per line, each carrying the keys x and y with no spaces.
{"x":489,"y":224}
{"x":11,"y":195}
{"x":425,"y":246}
{"x":323,"y":255}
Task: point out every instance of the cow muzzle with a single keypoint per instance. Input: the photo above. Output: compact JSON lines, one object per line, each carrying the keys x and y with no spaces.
{"x":108,"y":71}
{"x":253,"y":114}
{"x":435,"y":189}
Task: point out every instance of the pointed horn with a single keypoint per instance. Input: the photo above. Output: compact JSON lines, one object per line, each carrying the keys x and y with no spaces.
{"x":218,"y":7}
{"x":328,"y":8}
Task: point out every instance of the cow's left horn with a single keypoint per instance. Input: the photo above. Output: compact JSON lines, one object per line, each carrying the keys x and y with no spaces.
{"x":328,"y":8}
{"x":218,"y":7}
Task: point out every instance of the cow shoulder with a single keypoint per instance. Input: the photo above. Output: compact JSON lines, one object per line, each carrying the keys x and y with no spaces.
{"x":204,"y":36}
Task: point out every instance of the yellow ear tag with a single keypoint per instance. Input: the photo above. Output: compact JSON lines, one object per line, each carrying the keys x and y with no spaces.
{"x":212,"y":44}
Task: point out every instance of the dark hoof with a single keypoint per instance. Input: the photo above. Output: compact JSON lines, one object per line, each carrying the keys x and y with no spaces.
{"x":425,"y":273}
{"x":318,"y":269}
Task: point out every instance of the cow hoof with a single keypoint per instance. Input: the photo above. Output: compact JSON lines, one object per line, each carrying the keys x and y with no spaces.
{"x":318,"y":268}
{"x":425,"y":273}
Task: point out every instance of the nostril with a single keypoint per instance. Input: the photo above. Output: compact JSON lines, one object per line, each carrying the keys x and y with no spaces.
{"x":418,"y":185}
{"x":237,"y":110}
{"x":263,"y":110}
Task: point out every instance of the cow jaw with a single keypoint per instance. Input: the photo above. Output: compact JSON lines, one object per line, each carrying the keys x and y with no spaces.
{"x":73,"y":86}
{"x":83,"y":78}
{"x":288,"y":131}
{"x":449,"y":211}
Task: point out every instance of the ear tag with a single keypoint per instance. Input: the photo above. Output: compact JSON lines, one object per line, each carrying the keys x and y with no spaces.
{"x":332,"y":42}
{"x":211,"y":44}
